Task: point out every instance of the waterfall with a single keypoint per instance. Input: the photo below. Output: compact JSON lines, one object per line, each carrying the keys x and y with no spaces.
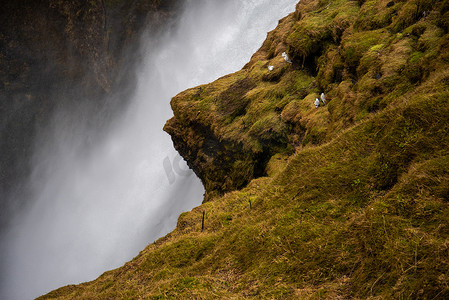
{"x":100,"y":198}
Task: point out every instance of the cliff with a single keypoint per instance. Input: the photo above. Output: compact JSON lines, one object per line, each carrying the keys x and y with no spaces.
{"x":84,"y":41}
{"x":347,"y":200}
{"x":56,"y":53}
{"x":363,"y":60}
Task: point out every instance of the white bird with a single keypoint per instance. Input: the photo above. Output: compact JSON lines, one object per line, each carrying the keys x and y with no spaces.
{"x":270,"y":68}
{"x":287,"y":59}
{"x":323,"y":98}
{"x":317,"y":102}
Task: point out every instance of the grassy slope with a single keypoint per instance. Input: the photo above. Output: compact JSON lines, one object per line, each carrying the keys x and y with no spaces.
{"x":356,"y":201}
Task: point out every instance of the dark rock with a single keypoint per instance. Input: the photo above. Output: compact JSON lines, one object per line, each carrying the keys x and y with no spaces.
{"x":52,"y":50}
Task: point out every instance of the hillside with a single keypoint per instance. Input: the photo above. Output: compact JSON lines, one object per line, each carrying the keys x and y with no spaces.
{"x":347,"y":200}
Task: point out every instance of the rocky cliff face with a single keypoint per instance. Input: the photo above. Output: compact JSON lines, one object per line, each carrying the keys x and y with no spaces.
{"x":52,"y":50}
{"x":50,"y":40}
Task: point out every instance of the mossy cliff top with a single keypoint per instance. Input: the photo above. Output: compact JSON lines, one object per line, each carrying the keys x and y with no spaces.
{"x":363,"y":56}
{"x":348,"y":200}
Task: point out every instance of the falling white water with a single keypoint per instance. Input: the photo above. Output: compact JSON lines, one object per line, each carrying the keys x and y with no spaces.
{"x":97,"y":200}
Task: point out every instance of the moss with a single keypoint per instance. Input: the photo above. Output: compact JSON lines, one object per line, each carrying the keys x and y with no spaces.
{"x":231,"y":102}
{"x":311,"y":34}
{"x":357,"y":44}
{"x":374,"y":14}
{"x":409,"y":13}
{"x":331,"y":68}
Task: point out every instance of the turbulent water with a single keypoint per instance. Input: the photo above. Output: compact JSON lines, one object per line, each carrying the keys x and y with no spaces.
{"x":97,"y":199}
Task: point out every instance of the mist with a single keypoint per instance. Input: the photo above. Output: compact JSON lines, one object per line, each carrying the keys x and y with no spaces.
{"x":98,"y":196}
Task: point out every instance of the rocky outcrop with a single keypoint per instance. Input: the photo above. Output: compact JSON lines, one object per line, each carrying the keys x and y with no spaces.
{"x":222,"y":164}
{"x":228,"y":130}
{"x":210,"y":132}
